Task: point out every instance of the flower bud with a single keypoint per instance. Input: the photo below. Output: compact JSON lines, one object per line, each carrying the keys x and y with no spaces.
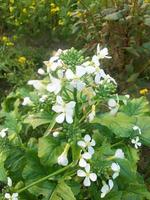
{"x":62,"y":159}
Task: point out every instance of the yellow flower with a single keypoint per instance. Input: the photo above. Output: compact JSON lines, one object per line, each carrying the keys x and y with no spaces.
{"x":11,"y":1}
{"x":22,"y":60}
{"x":11,"y":9}
{"x":144,"y":91}
{"x":9,"y":44}
{"x":69,"y":13}
{"x":146,"y":1}
{"x":5,"y":39}
{"x":54,"y":8}
{"x":79,"y":14}
{"x":61,"y":22}
{"x":24,"y":10}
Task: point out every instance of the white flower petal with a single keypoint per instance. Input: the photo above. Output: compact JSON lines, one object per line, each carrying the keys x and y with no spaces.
{"x":7,"y":196}
{"x":60,"y":118}
{"x":93,"y":143}
{"x":81,"y":144}
{"x":90,"y":69}
{"x":69,"y":74}
{"x":95,"y":60}
{"x":112,"y":103}
{"x":9,"y":182}
{"x":115,"y":175}
{"x":41,"y":71}
{"x":87,"y":182}
{"x":105,"y":189}
{"x":59,"y":100}
{"x":57,"y":108}
{"x":87,"y":168}
{"x":80,"y":71}
{"x":93,"y":176}
{"x":111,"y":184}
{"x":69,"y":118}
{"x":81,"y":173}
{"x":86,"y":155}
{"x":70,"y":105}
{"x":82,"y":162}
{"x":119,"y":154}
{"x":115,"y":167}
{"x":91,"y":150}
{"x":87,"y":138}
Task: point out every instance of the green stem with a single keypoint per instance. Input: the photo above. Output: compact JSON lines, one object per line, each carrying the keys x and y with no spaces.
{"x":45,"y":178}
{"x":76,"y":100}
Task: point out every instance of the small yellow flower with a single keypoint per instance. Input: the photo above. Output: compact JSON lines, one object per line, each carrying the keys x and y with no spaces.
{"x":9,"y":44}
{"x":5,"y":39}
{"x":11,"y":1}
{"x":144,"y":91}
{"x":69,"y":13}
{"x":61,"y":22}
{"x":79,"y":14}
{"x":54,"y":8}
{"x":24,"y":10}
{"x":22,"y":60}
{"x":11,"y":9}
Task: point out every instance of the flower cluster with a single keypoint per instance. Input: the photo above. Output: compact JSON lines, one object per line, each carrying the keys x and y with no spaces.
{"x":13,"y":196}
{"x":136,"y":139}
{"x":86,"y":154}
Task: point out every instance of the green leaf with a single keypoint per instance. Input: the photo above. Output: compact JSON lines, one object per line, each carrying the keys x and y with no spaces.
{"x":114,"y":16}
{"x":121,"y":124}
{"x":139,"y":189}
{"x":136,"y":107}
{"x":38,"y":119}
{"x":144,"y":124}
{"x":147,"y":21}
{"x":34,"y":171}
{"x":62,"y":192}
{"x":3,"y":176}
{"x":49,"y":148}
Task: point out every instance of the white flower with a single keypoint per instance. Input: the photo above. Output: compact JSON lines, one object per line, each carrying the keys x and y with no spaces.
{"x":43,"y":98}
{"x":76,"y":82}
{"x":36,"y":84}
{"x":53,"y":63}
{"x":88,"y":176}
{"x":65,"y":110}
{"x":137,"y":128}
{"x":56,"y":134}
{"x":9,"y":182}
{"x":41,"y":71}
{"x":106,"y":188}
{"x":54,"y":86}
{"x":92,"y":114}
{"x":85,"y":156}
{"x":14,"y":196}
{"x":27,"y":101}
{"x":116,"y":168}
{"x":62,"y":159}
{"x":3,"y":132}
{"x":113,"y":106}
{"x":87,"y":143}
{"x":102,"y":53}
{"x":136,"y":142}
{"x":119,"y":154}
{"x":95,"y":60}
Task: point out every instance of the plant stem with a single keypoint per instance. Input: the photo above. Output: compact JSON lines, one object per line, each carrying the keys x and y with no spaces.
{"x":45,"y":178}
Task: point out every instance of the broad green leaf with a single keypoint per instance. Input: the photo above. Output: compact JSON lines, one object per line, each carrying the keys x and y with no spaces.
{"x":131,"y":196}
{"x":38,"y":119}
{"x":113,"y":195}
{"x":3,"y":176}
{"x":136,"y":107}
{"x":114,"y":16}
{"x":139,"y":189}
{"x":62,"y":192}
{"x":144,"y":124}
{"x":49,"y":148}
{"x":34,"y":171}
{"x":121,"y":124}
{"x":147,"y":21}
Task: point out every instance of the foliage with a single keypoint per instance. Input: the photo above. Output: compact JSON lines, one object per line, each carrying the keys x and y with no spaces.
{"x":71,"y":121}
{"x":124,"y":27}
